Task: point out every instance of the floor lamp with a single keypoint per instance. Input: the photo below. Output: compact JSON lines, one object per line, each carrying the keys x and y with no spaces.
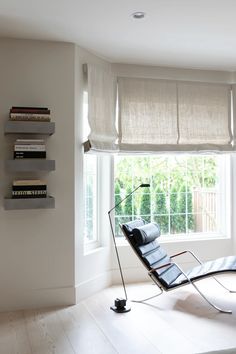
{"x":120,"y":303}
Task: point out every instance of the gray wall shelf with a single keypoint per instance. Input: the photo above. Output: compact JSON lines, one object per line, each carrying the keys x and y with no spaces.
{"x":29,"y":203}
{"x":29,"y":165}
{"x":23,"y":127}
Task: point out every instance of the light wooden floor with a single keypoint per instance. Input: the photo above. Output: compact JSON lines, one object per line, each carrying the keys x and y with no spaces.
{"x":176,"y":322}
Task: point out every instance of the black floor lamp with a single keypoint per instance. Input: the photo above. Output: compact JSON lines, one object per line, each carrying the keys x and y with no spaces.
{"x":120,"y":303}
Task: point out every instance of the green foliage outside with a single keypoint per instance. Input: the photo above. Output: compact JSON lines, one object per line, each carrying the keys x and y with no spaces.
{"x":145,"y":207}
{"x":128,"y":202}
{"x":161,"y":208}
{"x":118,"y":199}
{"x":169,"y":200}
{"x":119,"y":209}
{"x":177,"y":222}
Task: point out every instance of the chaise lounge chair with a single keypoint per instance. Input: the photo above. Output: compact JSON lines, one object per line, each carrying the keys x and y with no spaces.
{"x":167,"y":274}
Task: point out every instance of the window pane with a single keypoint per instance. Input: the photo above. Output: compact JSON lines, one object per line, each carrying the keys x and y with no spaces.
{"x":90,"y":178}
{"x":184,"y":195}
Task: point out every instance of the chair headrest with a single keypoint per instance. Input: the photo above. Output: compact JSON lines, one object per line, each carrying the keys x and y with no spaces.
{"x":146,"y":233}
{"x":129,"y":226}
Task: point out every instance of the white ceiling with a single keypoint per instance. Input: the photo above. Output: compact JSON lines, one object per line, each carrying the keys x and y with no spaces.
{"x":176,"y":33}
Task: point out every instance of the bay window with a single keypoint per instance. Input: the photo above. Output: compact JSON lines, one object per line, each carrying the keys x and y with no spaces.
{"x":174,"y":135}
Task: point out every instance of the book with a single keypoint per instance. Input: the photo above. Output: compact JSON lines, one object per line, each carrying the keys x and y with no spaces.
{"x":29,"y":194}
{"x":31,"y":187}
{"x":29,"y":147}
{"x":29,"y":107}
{"x":29,"y":141}
{"x":28,"y":110}
{"x":29,"y":155}
{"x":30,"y":117}
{"x":27,"y":182}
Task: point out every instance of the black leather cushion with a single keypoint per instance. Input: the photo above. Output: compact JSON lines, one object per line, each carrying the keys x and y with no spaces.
{"x":146,"y":233}
{"x":210,"y":268}
{"x":129,"y":226}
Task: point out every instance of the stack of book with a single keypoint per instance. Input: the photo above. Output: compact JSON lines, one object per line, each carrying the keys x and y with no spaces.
{"x":38,"y":114}
{"x":29,"y":188}
{"x":29,"y":149}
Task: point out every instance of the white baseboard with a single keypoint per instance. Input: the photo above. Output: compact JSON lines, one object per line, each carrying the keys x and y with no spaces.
{"x":36,"y":298}
{"x":92,"y":286}
{"x":65,"y":296}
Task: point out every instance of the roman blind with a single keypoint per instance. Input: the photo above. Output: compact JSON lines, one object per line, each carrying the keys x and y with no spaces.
{"x":101,"y":108}
{"x":204,"y":114}
{"x":162,"y":115}
{"x":147,"y":112}
{"x":156,"y":115}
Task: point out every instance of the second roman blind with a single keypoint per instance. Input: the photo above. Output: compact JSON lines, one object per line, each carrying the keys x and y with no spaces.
{"x":164,"y":115}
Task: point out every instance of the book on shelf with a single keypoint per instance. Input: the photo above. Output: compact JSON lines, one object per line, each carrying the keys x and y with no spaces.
{"x":28,"y":182}
{"x":29,"y":147}
{"x":29,"y":154}
{"x":29,"y":141}
{"x":29,"y":117}
{"x":29,"y":189}
{"x":40,"y":114}
{"x":29,"y":194}
{"x":36,"y":110}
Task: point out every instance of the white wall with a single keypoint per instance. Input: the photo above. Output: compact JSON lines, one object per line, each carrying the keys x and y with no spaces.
{"x":42,"y":256}
{"x":37,"y":246}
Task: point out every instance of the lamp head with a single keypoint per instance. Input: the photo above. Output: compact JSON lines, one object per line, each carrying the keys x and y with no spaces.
{"x":144,"y":185}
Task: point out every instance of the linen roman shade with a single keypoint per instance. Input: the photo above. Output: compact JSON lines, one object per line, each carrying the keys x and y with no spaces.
{"x":147,"y":112}
{"x":156,"y":115}
{"x":204,"y":114}
{"x":162,"y":115}
{"x":101,"y":108}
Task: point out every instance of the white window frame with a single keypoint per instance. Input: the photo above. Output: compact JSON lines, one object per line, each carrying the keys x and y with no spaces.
{"x":90,"y":245}
{"x":225,"y":201}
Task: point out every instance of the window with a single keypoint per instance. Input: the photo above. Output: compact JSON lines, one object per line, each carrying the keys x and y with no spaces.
{"x":90,"y":188}
{"x":188,"y":194}
{"x":90,"y":193}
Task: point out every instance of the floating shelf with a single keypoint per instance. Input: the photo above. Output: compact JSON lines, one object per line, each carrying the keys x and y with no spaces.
{"x":29,"y":165}
{"x":29,"y":203}
{"x":23,"y":127}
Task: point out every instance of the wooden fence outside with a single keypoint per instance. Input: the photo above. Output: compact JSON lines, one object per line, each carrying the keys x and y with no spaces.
{"x":204,"y":209}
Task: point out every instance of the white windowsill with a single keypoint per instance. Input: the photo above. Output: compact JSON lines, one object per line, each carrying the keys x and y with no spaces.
{"x":93,"y":250}
{"x":180,"y":238}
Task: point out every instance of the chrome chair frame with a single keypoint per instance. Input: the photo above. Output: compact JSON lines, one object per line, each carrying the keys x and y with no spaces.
{"x":189,"y":281}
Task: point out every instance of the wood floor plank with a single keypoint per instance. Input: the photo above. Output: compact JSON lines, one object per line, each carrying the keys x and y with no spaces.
{"x":156,"y":327}
{"x":216,"y":330}
{"x":127,"y":338}
{"x":178,"y":322}
{"x":13,"y":334}
{"x":46,"y":335}
{"x":193,"y":318}
{"x":83,"y":333}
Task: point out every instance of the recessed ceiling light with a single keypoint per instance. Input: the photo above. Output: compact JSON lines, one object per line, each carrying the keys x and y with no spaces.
{"x":138,"y":15}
